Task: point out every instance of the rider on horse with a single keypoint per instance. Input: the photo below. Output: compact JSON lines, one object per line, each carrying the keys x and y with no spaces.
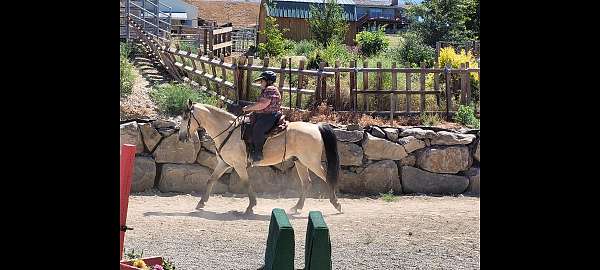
{"x":266,"y":113}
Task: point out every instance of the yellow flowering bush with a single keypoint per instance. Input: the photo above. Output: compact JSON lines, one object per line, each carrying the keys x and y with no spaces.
{"x":449,"y":55}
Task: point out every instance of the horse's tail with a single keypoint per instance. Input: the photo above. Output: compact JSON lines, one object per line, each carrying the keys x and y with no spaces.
{"x":331,"y":153}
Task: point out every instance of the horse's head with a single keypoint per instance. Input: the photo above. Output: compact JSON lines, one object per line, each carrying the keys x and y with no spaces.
{"x":190,"y":122}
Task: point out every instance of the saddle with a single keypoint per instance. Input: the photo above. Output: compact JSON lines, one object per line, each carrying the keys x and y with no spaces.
{"x":248,"y":123}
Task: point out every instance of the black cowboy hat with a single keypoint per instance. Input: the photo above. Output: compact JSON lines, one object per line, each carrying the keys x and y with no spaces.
{"x":268,"y":76}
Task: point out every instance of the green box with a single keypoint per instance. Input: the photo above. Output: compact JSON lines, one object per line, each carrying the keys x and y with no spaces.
{"x":317,"y":253}
{"x":279,"y":254}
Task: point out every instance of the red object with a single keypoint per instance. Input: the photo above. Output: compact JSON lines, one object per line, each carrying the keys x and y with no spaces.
{"x":127,"y":159}
{"x":150,"y":262}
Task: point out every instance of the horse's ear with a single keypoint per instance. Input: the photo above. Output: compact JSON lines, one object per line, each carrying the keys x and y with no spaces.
{"x":190,"y":104}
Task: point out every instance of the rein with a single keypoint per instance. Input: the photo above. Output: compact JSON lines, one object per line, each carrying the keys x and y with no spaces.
{"x":221,"y":133}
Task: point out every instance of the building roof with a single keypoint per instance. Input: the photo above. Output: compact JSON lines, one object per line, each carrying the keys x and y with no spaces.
{"x":301,"y":8}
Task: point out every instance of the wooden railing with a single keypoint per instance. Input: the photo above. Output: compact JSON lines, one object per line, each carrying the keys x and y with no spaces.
{"x":377,"y":90}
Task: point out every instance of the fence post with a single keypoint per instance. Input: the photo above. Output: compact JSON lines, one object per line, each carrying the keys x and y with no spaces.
{"x":211,"y":39}
{"x":448,"y":89}
{"x":224,"y":74}
{"x":379,"y":87}
{"x":240,"y":89}
{"x":127,"y":163}
{"x":408,"y":89}
{"x":468,"y":82}
{"x":337,"y":85}
{"x":300,"y":85}
{"x":394,"y":88}
{"x":205,"y":41}
{"x":365,"y":86}
{"x":463,"y":87}
{"x":282,"y":79}
{"x":204,"y":72}
{"x":422,"y":84}
{"x":353,"y":85}
{"x":248,"y":78}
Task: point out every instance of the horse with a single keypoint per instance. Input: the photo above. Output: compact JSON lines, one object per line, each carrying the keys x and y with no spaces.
{"x":301,"y":142}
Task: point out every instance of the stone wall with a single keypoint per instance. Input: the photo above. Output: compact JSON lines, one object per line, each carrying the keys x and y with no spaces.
{"x":374,"y":160}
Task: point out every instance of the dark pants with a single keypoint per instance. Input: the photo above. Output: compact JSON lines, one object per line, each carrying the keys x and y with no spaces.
{"x":263,"y":122}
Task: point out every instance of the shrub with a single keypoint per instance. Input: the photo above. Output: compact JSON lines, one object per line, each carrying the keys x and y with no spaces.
{"x":455,"y":59}
{"x":275,"y":42}
{"x":429,"y":119}
{"x":171,"y":98}
{"x":314,"y":58}
{"x":466,"y":116}
{"x":188,"y":46}
{"x":337,"y":51}
{"x":127,"y":49}
{"x":413,"y":52}
{"x":372,"y":43}
{"x":304,"y":47}
{"x":127,"y":76}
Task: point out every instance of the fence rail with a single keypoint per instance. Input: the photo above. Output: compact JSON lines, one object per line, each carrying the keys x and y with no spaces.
{"x":390,"y":91}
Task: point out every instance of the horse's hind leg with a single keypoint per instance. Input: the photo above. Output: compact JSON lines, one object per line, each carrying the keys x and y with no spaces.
{"x":216,"y":174}
{"x":318,"y":169}
{"x":304,"y":178}
{"x":243,"y":174}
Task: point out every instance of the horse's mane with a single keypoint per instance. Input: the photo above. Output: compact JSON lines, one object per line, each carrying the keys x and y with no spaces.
{"x":216,"y":109}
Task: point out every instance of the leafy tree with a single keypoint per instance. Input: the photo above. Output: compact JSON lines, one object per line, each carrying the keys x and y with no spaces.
{"x":327,"y":22}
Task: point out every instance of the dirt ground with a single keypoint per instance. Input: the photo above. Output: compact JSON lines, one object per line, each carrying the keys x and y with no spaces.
{"x":414,"y":232}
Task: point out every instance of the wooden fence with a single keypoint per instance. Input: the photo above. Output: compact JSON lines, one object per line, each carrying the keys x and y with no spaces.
{"x":375,"y":90}
{"x":217,"y":40}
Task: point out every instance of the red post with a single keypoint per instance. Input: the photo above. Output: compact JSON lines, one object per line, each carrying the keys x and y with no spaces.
{"x":127,"y":159}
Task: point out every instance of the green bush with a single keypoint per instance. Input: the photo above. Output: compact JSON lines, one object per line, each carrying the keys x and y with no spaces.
{"x":304,"y":47}
{"x":466,"y":116}
{"x":338,"y":51}
{"x":314,"y":58}
{"x":275,"y":42}
{"x":171,"y":98}
{"x":127,"y":76}
{"x":372,"y":43}
{"x":327,"y":22}
{"x":127,"y":49}
{"x":429,"y":119}
{"x":188,"y":46}
{"x":413,"y":52}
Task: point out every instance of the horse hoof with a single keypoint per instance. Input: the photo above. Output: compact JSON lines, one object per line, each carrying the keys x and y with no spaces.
{"x":294,"y":210}
{"x":200,"y":206}
{"x":249,"y":211}
{"x":339,"y":208}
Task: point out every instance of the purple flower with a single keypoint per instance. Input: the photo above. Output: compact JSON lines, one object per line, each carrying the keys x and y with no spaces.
{"x":158,"y":267}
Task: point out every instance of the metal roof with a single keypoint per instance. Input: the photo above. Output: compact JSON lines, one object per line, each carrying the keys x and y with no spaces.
{"x":341,"y":2}
{"x":301,"y":9}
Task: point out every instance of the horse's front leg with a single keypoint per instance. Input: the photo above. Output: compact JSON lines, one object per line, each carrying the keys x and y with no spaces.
{"x":219,"y":170}
{"x":243,"y":174}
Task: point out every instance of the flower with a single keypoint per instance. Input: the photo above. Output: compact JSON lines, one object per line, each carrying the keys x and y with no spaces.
{"x":139,"y":263}
{"x":158,"y":267}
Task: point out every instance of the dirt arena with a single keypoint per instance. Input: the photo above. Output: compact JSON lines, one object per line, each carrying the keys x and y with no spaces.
{"x":414,"y":232}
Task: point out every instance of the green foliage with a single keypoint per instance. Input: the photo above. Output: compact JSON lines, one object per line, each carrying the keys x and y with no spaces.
{"x":413,"y":52}
{"x":131,"y":255}
{"x":127,"y":77}
{"x":466,"y":116}
{"x":168,"y":265}
{"x":275,"y":44}
{"x":327,"y":22}
{"x":127,"y":49}
{"x":171,"y":98}
{"x":388,"y":197}
{"x":305,"y":47}
{"x":429,"y":119}
{"x":314,"y":58}
{"x":188,"y":46}
{"x":372,"y":43}
{"x":445,"y":20}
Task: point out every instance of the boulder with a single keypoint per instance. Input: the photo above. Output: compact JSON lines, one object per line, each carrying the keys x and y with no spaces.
{"x":380,"y":149}
{"x":185,"y":178}
{"x":162,"y":124}
{"x":350,"y":154}
{"x":415,"y":180}
{"x":378,"y":132}
{"x":350,"y":182}
{"x":418,"y":133}
{"x":263,"y":179}
{"x":473,"y":175}
{"x":150,"y":136}
{"x":381,"y":176}
{"x":476,"y":155}
{"x":348,"y":136}
{"x":411,"y":143}
{"x":171,"y":150}
{"x":130,"y":134}
{"x":451,"y":138}
{"x":352,"y":127}
{"x":410,"y":160}
{"x":144,"y":174}
{"x":391,"y":133}
{"x":451,"y":159}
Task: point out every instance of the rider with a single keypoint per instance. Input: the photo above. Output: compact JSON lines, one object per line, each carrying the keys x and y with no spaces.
{"x":266,"y":112}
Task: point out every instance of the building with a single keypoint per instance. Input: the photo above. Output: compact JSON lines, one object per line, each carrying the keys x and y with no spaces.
{"x":294,"y":14}
{"x":359,"y":14}
{"x":182,"y":13}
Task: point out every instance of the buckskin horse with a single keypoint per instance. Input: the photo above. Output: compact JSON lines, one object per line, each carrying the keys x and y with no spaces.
{"x":301,"y":142}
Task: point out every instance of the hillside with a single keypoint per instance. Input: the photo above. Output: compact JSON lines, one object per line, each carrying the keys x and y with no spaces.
{"x":241,"y":14}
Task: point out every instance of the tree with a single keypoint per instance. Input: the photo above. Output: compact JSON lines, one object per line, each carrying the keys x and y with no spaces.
{"x":327,"y":22}
{"x":445,"y":20}
{"x":275,"y":42}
